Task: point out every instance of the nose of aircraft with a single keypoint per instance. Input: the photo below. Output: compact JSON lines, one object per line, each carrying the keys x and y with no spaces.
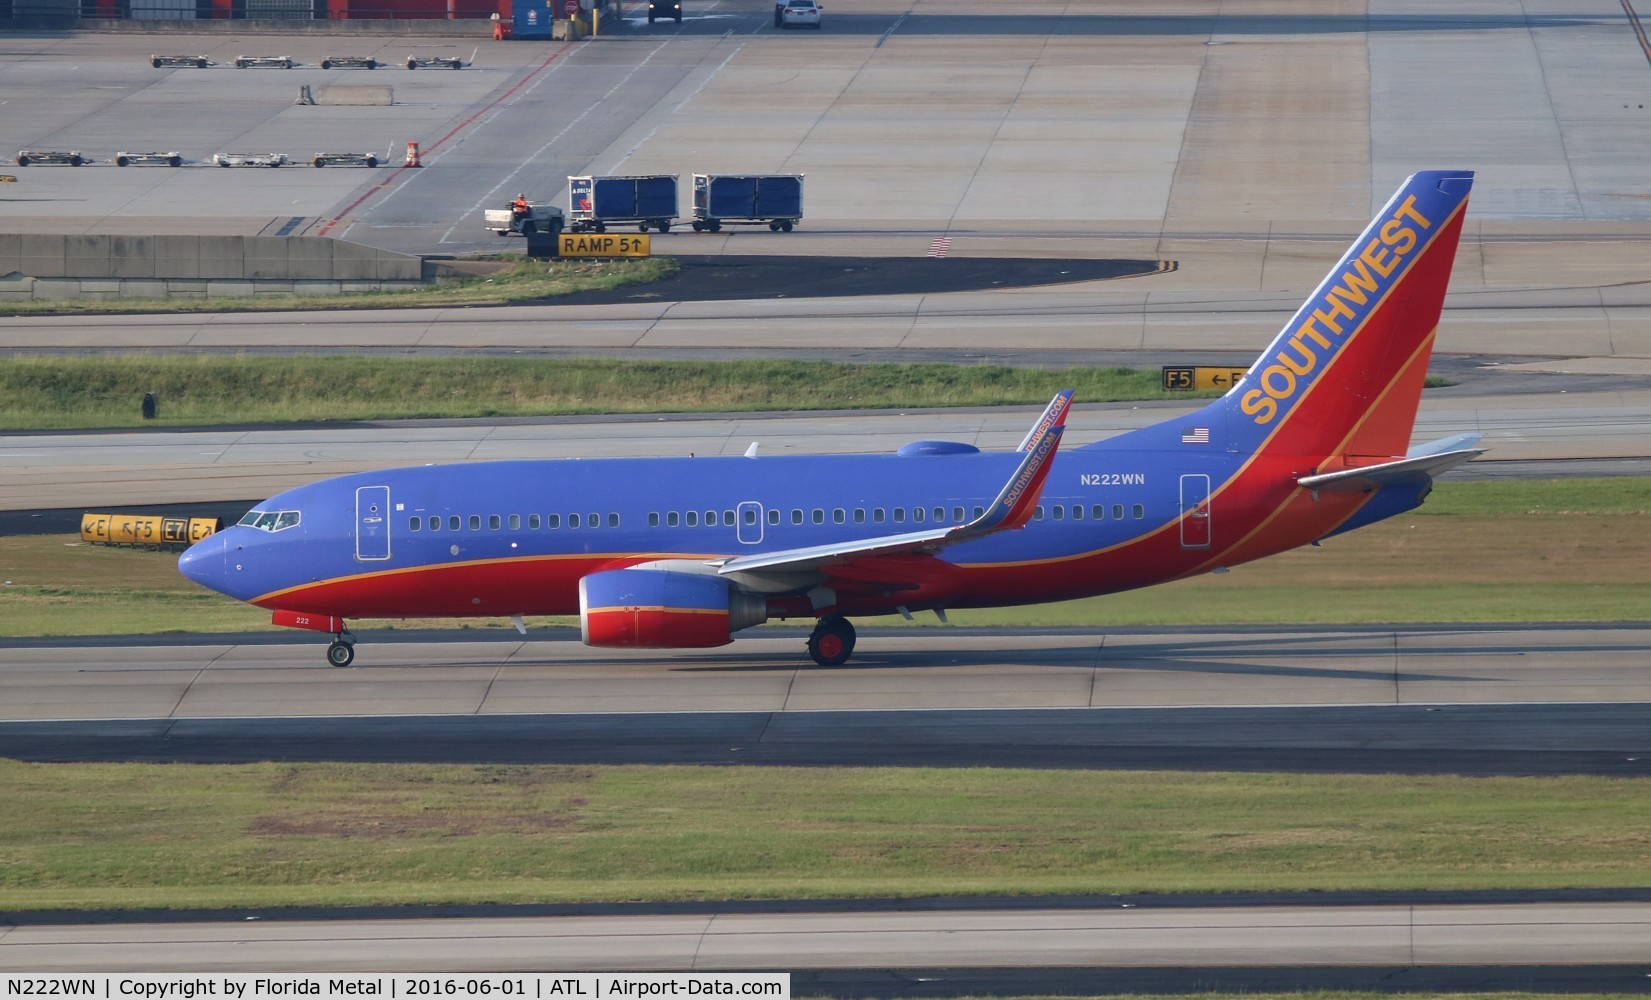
{"x":203,"y":562}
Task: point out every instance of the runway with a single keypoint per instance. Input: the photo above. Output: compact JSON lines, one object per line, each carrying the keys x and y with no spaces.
{"x":1417,"y":700}
{"x":1531,"y":943}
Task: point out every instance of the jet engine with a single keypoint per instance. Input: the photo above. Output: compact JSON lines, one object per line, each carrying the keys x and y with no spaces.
{"x":660,"y":609}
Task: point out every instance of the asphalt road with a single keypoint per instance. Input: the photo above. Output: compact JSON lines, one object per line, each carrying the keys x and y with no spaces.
{"x":1528,"y":944}
{"x":1491,"y":700}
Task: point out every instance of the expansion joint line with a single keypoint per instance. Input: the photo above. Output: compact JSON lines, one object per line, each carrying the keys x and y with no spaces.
{"x":699,"y":945}
{"x":191,"y":685}
{"x":1095,"y":671}
{"x":1397,"y":699}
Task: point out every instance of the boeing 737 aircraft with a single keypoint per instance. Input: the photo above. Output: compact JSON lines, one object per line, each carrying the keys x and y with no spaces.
{"x":684,"y":552}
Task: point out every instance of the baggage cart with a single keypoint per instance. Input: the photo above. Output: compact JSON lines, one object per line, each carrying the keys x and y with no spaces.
{"x":250,"y":159}
{"x":645,"y":201}
{"x":129,"y":159}
{"x":50,"y":158}
{"x":747,"y":200}
{"x":344,"y":160}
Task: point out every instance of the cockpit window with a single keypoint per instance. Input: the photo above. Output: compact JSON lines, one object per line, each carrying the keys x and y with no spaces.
{"x":270,"y":520}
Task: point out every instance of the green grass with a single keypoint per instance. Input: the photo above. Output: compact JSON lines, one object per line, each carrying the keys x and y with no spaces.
{"x":105,"y":391}
{"x":133,"y":835}
{"x":516,"y":280}
{"x":1553,"y":550}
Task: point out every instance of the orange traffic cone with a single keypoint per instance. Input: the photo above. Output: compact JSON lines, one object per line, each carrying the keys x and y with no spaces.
{"x":412,"y":155}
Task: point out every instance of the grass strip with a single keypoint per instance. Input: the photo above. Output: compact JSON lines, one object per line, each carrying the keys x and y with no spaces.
{"x":140,"y":835}
{"x":38,"y":393}
{"x":1549,"y":550}
{"x":515,"y":280}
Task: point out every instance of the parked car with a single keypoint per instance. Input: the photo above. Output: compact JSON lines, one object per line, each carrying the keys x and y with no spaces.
{"x":796,"y":12}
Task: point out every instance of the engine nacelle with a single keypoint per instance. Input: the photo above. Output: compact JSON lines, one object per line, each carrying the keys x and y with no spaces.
{"x":658,"y":609}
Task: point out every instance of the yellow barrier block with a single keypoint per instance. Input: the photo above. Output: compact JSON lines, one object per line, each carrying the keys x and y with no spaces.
{"x":1191,"y":377}
{"x":94,"y":528}
{"x":149,"y":530}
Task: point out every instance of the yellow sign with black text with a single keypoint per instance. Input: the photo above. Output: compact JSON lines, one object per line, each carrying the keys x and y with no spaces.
{"x":1193,"y":378}
{"x":602,"y":245}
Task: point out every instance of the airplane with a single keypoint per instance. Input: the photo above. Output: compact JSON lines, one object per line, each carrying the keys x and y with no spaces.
{"x":680,"y":553}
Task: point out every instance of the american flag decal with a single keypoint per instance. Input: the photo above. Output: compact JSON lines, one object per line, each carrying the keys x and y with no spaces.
{"x":1195,"y":435}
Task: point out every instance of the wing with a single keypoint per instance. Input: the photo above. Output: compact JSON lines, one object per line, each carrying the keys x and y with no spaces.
{"x":1012,"y":509}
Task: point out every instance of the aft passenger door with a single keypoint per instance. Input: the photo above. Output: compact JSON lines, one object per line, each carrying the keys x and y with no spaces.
{"x":1195,"y":511}
{"x":372,"y":523}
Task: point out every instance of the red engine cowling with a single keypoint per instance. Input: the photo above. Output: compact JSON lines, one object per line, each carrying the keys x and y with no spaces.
{"x":659,"y":609}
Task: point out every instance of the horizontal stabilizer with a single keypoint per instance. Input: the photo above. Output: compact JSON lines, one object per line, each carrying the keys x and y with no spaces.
{"x":1425,"y":462}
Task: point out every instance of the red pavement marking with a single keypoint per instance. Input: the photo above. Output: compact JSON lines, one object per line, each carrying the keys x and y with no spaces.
{"x":432,"y":147}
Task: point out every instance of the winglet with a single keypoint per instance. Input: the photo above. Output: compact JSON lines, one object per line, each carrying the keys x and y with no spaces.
{"x":1013,"y":507}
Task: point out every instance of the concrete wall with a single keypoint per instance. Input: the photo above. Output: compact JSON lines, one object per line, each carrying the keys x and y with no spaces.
{"x":100,"y":267}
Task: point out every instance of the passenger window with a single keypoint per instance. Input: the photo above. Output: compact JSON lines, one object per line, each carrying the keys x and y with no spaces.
{"x":859,"y":515}
{"x":515,"y":522}
{"x":750,"y":516}
{"x":493,"y":522}
{"x":710,"y":519}
{"x":453,"y":523}
{"x":613,"y":520}
{"x":1037,"y":513}
{"x":1098,"y":512}
{"x":653,"y":519}
{"x":819,"y":516}
{"x":1058,"y":512}
{"x":899,"y":515}
{"x":1117,"y":512}
{"x":917,"y":514}
{"x":957,"y":514}
{"x":475,"y":522}
{"x":573,"y":520}
{"x":533,"y":522}
{"x":838,"y":515}
{"x":553,"y":521}
{"x":728,"y":518}
{"x":412,"y":523}
{"x":773,"y":515}
{"x":1077,"y":512}
{"x":593,"y":521}
{"x":939,"y":515}
{"x":1137,"y":512}
{"x":877,"y":514}
{"x":796,"y":515}
{"x":980,"y":511}
{"x":693,"y":518}
{"x":670,"y":519}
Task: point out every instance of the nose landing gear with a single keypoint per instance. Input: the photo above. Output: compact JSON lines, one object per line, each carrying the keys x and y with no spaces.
{"x":832,"y":641}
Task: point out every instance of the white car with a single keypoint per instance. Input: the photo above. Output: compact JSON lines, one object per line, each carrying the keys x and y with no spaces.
{"x":800,"y":12}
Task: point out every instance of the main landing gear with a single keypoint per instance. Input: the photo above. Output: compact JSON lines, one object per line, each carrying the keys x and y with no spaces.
{"x":832,"y":641}
{"x":342,"y":651}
